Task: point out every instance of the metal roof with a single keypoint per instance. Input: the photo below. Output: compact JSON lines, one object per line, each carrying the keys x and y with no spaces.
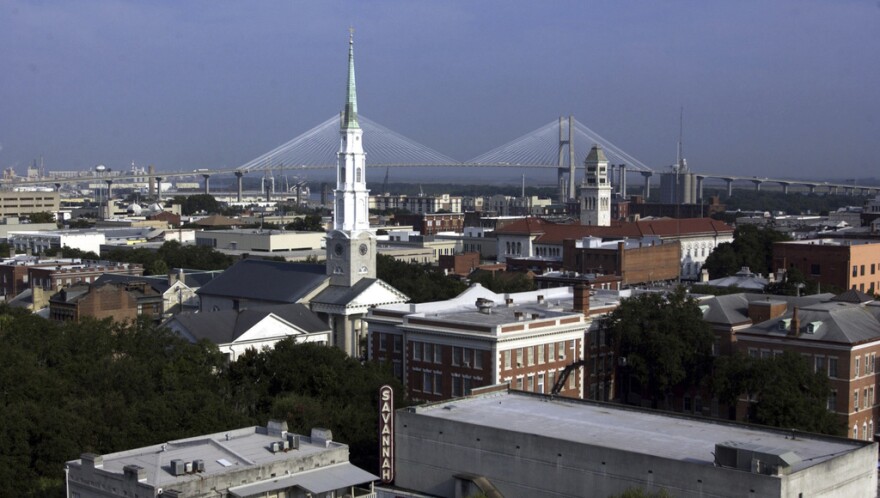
{"x":269,"y":281}
{"x":317,"y":481}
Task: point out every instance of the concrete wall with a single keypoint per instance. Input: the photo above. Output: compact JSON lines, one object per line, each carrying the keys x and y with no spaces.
{"x":430,"y":451}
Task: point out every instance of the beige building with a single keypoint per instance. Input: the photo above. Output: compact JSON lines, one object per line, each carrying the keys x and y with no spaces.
{"x":257,"y":240}
{"x":29,"y":202}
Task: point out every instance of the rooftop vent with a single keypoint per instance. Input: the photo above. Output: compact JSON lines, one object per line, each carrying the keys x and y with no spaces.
{"x":485,"y":305}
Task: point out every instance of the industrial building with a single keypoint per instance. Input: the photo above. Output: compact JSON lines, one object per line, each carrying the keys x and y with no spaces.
{"x":525,"y":444}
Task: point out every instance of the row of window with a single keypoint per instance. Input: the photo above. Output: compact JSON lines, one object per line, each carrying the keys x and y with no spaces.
{"x":541,"y":382}
{"x":870,"y":365}
{"x":461,"y":357}
{"x":867,"y":430}
{"x":859,"y":270}
{"x":867,"y":398}
{"x":542,"y":353}
{"x":820,"y":363}
{"x":513,"y":248}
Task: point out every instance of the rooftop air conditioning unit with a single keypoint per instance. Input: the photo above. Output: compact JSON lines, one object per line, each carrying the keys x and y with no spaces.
{"x":199,"y":465}
{"x":188,"y":466}
{"x":276,"y":447}
{"x":178,"y":468}
{"x":293,"y":440}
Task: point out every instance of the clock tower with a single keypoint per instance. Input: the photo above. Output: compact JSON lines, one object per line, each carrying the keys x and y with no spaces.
{"x":351,"y":246}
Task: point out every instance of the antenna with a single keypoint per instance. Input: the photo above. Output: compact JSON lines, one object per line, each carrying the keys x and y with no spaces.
{"x":678,"y":160}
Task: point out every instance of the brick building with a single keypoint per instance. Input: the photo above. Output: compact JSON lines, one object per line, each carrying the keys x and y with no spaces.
{"x":432,"y":223}
{"x":838,"y":264}
{"x":460,"y":264}
{"x":54,"y":277}
{"x":634,"y":261}
{"x":837,"y":335}
{"x":119,"y":301}
{"x":445,"y":349}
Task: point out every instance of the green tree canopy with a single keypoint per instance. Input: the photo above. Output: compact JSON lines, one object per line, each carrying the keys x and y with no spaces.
{"x":422,"y":283}
{"x":752,"y":247}
{"x":44,"y":217}
{"x":786,"y":390}
{"x":664,"y":339}
{"x":198,"y":203}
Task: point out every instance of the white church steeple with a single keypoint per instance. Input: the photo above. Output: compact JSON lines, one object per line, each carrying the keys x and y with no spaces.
{"x":351,"y":247}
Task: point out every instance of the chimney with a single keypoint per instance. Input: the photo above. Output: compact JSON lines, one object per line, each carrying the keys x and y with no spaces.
{"x":582,"y":298}
{"x":508,"y":301}
{"x":91,"y":460}
{"x":795,"y":323}
{"x":540,"y":299}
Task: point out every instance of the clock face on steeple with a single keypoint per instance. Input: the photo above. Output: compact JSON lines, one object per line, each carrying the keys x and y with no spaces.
{"x":363,"y":249}
{"x":337,"y":249}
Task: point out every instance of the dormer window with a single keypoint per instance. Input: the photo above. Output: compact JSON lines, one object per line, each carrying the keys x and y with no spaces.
{"x":783,"y":324}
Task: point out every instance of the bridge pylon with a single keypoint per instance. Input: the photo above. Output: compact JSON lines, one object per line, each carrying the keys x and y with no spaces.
{"x":566,"y":191}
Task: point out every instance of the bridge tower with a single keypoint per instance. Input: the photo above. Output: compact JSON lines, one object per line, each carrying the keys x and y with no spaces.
{"x":566,"y":189}
{"x":596,"y":191}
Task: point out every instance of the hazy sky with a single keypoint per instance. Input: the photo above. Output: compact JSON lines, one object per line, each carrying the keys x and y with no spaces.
{"x":787,"y":88}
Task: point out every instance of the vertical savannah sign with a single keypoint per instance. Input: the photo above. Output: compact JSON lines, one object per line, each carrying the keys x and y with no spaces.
{"x":386,"y":433}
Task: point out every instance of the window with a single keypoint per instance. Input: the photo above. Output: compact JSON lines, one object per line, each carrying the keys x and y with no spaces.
{"x":865,"y":430}
{"x":507,"y":359}
{"x":865,"y":398}
{"x":857,"y":365}
{"x":552,"y":351}
{"x":530,"y":385}
{"x":832,"y":366}
{"x":855,"y":272}
{"x":381,"y":337}
{"x":530,"y":354}
{"x":551,"y":379}
{"x":819,"y":365}
{"x":519,"y":357}
{"x":753,"y":353}
{"x":832,"y":401}
{"x":540,"y":354}
{"x":561,"y":350}
{"x":438,"y":353}
{"x":687,"y":404}
{"x":427,"y":382}
{"x":456,"y":355}
{"x":417,"y":351}
{"x":867,"y":364}
{"x":519,"y":383}
{"x":398,"y":370}
{"x":572,"y":380}
{"x":540,"y":383}
{"x":873,"y":268}
{"x":456,"y":386}
{"x":855,"y":432}
{"x":815,"y":269}
{"x":398,"y":343}
{"x":856,"y":400}
{"x":438,"y":383}
{"x":863,"y":270}
{"x":478,"y":359}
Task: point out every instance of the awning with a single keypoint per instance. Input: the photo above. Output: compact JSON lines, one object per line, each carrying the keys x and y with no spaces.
{"x":321,"y":480}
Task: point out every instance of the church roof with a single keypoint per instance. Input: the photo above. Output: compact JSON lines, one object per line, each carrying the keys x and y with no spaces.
{"x":271,"y":281}
{"x":366,"y":292}
{"x":223,"y":327}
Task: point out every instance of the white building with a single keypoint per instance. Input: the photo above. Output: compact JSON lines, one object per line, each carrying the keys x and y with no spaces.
{"x":596,"y":190}
{"x":50,"y":241}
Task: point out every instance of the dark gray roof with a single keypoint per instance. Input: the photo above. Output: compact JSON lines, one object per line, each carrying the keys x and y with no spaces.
{"x":853,"y":296}
{"x":221,"y":327}
{"x":270,"y":281}
{"x":159,"y":284}
{"x":733,"y":309}
{"x":348,"y":296}
{"x":831,"y":321}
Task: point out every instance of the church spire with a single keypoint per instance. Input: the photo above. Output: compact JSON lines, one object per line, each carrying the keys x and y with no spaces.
{"x":349,"y":119}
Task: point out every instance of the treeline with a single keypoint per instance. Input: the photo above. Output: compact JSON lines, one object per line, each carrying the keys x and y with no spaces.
{"x":171,"y":254}
{"x":749,"y":200}
{"x":102,"y":387}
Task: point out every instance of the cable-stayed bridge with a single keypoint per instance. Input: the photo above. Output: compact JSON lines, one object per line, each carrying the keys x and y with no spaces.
{"x":562,"y":145}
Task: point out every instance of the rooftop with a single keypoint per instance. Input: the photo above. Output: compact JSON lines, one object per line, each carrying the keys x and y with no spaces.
{"x":665,"y":435}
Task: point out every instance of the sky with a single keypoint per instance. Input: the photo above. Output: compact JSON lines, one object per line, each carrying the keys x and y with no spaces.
{"x":787,"y":88}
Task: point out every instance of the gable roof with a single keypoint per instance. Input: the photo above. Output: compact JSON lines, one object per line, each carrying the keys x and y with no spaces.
{"x":159,"y":284}
{"x":853,"y":296}
{"x":365,"y":293}
{"x":553,"y":233}
{"x":270,"y":281}
{"x":223,"y":327}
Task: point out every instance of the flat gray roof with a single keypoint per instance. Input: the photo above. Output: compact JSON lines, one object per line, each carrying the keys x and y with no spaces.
{"x":245,"y":448}
{"x":665,"y":435}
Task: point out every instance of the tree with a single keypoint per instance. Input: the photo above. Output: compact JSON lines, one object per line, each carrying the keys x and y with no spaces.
{"x":664,"y":339}
{"x":43,"y":217}
{"x":199,"y":203}
{"x":504,"y":282}
{"x":422,"y":283}
{"x":752,"y":247}
{"x":787,"y":392}
{"x":308,"y":223}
